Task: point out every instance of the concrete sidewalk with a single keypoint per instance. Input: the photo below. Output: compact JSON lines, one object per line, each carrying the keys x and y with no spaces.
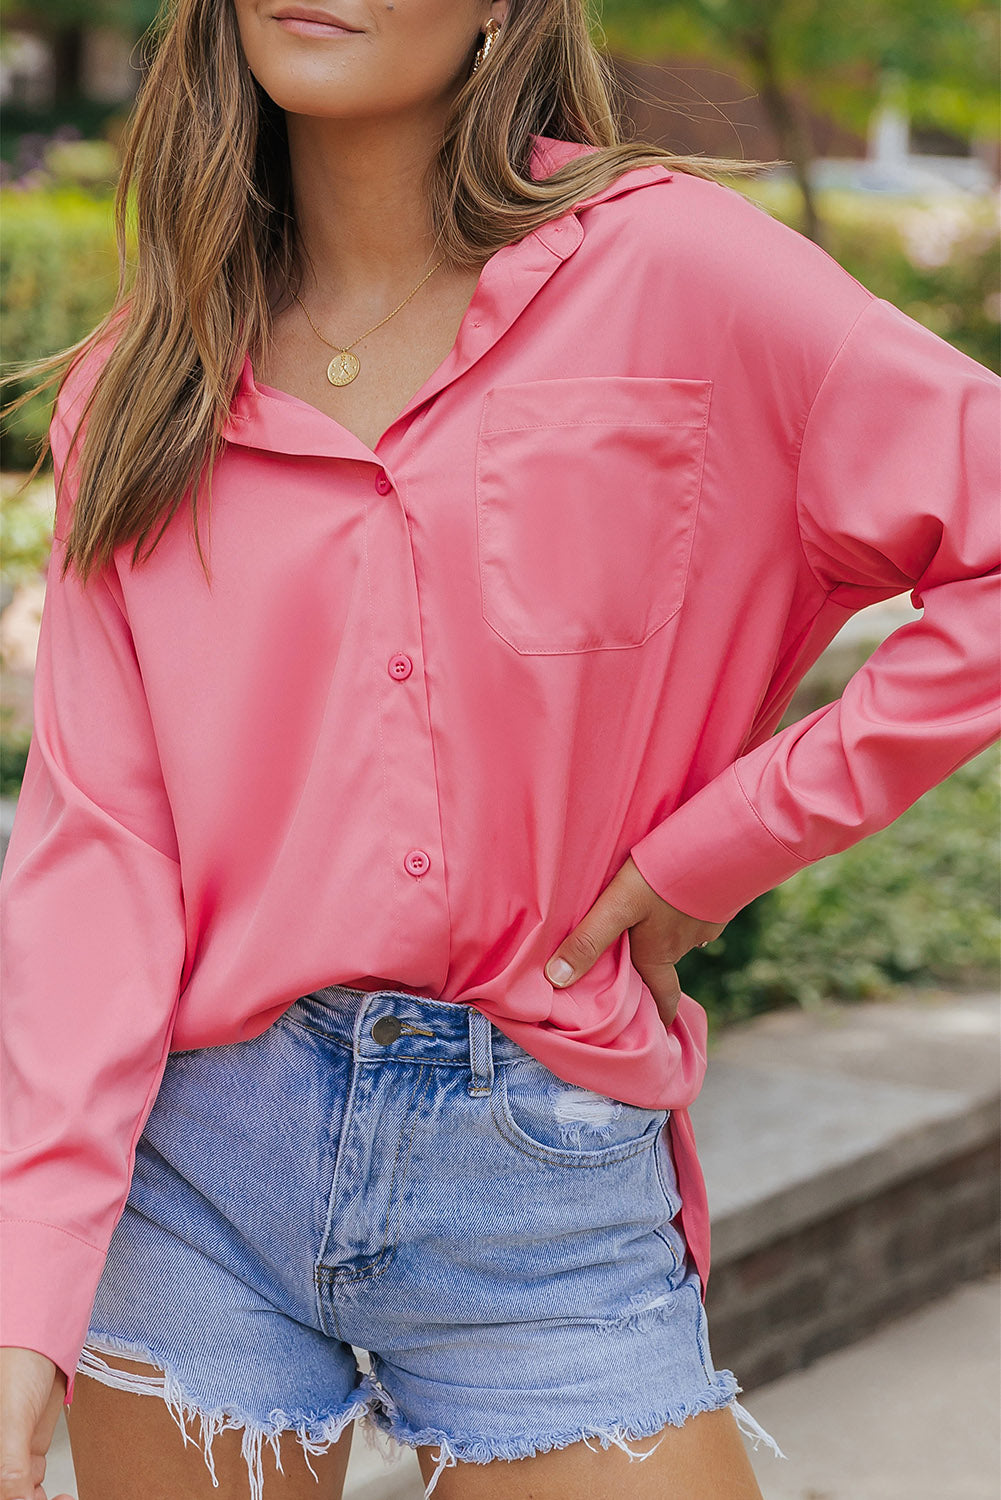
{"x":909,"y":1413}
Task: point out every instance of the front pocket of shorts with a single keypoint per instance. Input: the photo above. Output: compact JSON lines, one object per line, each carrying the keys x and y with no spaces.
{"x":557,"y":1122}
{"x":587,"y":492}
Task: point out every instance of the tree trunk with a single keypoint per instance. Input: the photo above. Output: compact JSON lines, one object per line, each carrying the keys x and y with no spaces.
{"x":67,"y":61}
{"x":794,"y":140}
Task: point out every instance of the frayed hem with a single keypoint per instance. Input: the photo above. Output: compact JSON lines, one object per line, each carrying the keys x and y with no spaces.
{"x":389,"y":1425}
{"x":752,"y":1428}
{"x":315,"y":1435}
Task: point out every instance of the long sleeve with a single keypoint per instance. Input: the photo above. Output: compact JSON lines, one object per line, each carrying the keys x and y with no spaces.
{"x":897,"y":490}
{"x":93,"y":946}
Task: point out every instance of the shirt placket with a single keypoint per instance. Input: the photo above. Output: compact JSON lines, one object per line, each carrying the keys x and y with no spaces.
{"x":395,"y":673}
{"x":416,"y":805}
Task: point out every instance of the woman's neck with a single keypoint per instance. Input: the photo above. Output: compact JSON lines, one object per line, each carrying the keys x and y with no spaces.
{"x":360,"y":204}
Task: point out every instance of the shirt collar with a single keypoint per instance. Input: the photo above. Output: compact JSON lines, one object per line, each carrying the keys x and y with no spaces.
{"x":275,"y":421}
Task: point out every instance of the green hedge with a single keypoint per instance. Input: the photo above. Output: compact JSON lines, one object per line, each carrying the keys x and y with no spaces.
{"x":13,"y":758}
{"x":58,"y":274}
{"x":916,"y":903}
{"x":26,"y":516}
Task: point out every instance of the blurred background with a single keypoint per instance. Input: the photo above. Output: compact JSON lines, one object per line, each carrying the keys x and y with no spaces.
{"x":853,"y":1011}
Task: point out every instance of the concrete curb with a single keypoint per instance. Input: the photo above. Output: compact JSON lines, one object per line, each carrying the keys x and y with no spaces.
{"x":852,"y":1160}
{"x":954,"y":1126}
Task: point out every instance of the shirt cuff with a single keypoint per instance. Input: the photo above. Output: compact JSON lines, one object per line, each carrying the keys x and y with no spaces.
{"x":714,"y":854}
{"x":49,"y":1280}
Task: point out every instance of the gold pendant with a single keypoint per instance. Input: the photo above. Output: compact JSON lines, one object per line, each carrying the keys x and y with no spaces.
{"x":343,"y":368}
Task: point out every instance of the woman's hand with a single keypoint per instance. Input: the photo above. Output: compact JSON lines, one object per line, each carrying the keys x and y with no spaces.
{"x":32,"y":1389}
{"x":658,"y":936}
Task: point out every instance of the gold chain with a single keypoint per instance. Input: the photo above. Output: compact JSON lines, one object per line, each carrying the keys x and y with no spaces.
{"x":342,"y":371}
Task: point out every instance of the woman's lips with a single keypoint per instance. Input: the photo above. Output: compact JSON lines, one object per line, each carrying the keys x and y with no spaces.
{"x":308,"y":21}
{"x":302,"y":27}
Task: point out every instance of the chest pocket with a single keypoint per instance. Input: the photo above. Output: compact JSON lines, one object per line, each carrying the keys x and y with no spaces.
{"x":587,"y":491}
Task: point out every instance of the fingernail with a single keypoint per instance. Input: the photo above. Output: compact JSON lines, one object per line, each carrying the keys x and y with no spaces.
{"x":558,"y":971}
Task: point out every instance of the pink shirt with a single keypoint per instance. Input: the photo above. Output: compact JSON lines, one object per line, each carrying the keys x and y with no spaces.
{"x":439,"y":690}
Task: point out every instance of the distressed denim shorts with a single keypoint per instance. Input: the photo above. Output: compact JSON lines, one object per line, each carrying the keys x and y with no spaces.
{"x":391,"y":1177}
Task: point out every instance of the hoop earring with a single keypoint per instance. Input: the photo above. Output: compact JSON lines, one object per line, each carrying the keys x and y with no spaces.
{"x":490,"y":36}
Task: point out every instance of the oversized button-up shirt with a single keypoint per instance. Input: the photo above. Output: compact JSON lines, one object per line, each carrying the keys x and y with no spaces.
{"x":439,"y":689}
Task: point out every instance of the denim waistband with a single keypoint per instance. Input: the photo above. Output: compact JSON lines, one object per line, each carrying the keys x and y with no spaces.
{"x":395,"y":1026}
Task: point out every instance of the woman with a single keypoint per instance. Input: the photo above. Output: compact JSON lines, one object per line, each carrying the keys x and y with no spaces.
{"x":355,"y":853}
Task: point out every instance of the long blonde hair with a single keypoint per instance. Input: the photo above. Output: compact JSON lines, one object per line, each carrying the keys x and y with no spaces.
{"x":206,"y":165}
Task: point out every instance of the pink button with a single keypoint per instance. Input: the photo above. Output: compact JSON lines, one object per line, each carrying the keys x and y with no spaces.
{"x":400,"y":667}
{"x":416,"y":862}
{"x":382,"y":484}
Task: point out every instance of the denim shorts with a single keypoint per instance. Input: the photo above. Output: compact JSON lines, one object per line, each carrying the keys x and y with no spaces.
{"x":383,"y":1175}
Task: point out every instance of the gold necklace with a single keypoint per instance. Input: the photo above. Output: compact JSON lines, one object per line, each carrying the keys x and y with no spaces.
{"x":343,"y":368}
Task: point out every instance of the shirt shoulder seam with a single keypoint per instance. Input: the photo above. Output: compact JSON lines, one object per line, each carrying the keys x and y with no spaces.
{"x":871,"y":299}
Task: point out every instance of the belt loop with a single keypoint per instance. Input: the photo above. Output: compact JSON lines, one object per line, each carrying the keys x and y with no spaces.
{"x":481,"y":1061}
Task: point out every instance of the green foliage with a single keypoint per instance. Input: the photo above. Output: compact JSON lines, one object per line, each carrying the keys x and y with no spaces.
{"x":13,"y":757}
{"x":124,"y":15}
{"x":713,"y":974}
{"x":58,"y":273}
{"x":86,"y":164}
{"x":916,"y":903}
{"x":86,"y":119}
{"x":834,"y":55}
{"x":26,"y":516}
